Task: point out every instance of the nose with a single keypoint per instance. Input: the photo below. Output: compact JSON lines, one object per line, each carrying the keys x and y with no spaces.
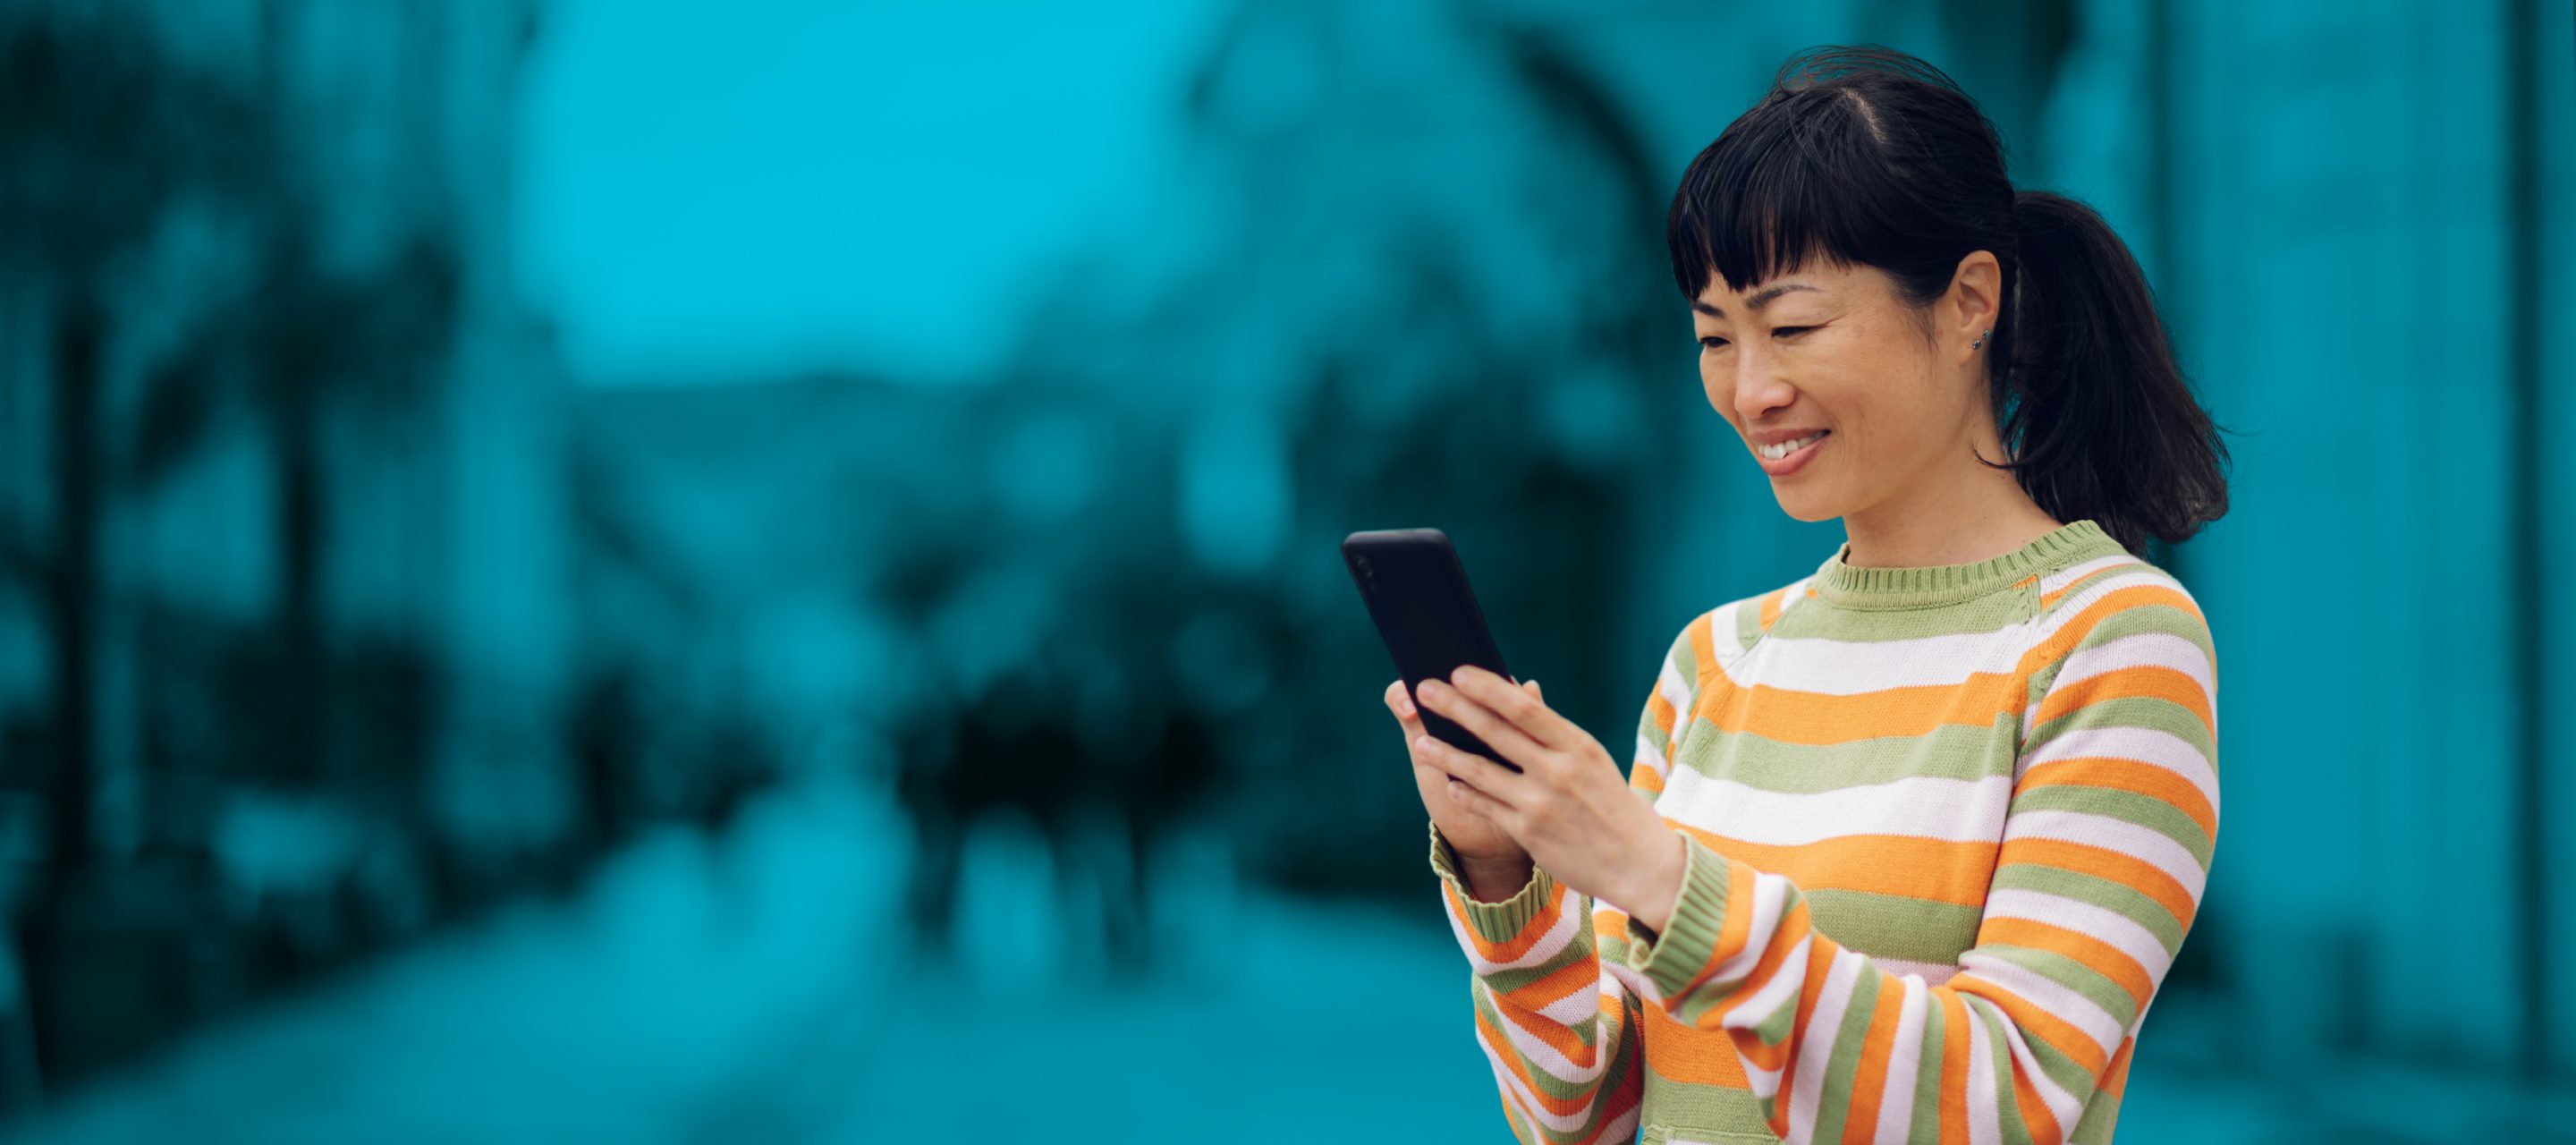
{"x":1759,"y":388}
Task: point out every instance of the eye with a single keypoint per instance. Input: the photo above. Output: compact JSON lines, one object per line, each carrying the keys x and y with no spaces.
{"x":1712,"y":341}
{"x":1790,"y":331}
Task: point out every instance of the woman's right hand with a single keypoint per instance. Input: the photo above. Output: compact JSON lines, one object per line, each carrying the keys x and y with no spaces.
{"x":1478,"y":842}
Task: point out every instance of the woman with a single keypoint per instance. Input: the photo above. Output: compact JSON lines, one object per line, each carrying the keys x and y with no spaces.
{"x":1908,"y":843}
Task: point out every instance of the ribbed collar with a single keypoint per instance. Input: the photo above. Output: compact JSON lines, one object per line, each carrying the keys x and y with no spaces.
{"x":1925,"y":586}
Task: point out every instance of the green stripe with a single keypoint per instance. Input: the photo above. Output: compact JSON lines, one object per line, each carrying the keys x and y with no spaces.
{"x":1843,"y":1069}
{"x":1893,"y":926}
{"x":2126,"y":806}
{"x":1950,"y":751}
{"x":2069,"y":972}
{"x":1927,"y":1076}
{"x":2128,"y":901}
{"x":1546,"y":1082}
{"x":1990,"y":613}
{"x":1990,"y":1026}
{"x":2152,"y":712}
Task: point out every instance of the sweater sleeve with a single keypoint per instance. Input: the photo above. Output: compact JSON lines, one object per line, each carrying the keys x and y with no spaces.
{"x":2106,"y":846}
{"x":1560,"y":1032}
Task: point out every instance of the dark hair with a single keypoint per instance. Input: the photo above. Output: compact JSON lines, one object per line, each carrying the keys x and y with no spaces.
{"x":1867,"y":156}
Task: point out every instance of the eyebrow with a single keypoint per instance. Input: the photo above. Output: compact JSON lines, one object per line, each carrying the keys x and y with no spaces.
{"x":1760,"y":299}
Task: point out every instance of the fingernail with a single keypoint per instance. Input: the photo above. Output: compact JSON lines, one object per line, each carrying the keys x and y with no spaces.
{"x":1422,"y":742}
{"x":1404,"y":706}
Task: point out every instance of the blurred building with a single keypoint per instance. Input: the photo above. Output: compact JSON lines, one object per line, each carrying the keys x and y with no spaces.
{"x":284,"y":602}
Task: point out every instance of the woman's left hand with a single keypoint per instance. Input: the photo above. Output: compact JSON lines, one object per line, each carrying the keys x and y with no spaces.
{"x":1569,"y":807}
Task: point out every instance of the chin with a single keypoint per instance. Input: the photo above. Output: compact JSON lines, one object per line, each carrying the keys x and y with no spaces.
{"x":1807,"y":505}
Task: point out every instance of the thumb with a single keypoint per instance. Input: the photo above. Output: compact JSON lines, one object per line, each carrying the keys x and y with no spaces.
{"x":1532,"y":685}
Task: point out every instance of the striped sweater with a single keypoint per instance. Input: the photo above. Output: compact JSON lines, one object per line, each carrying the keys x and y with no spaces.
{"x":1946,"y":828}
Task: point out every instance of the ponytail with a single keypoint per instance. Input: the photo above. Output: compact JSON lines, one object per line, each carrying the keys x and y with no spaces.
{"x":2088,"y":399}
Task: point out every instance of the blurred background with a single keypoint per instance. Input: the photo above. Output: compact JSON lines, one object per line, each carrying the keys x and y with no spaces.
{"x":664,"y":571}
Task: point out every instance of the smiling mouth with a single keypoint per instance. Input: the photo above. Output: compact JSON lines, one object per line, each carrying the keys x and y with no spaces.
{"x":1784,"y":449}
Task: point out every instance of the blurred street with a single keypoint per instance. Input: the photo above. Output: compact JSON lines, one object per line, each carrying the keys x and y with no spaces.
{"x":803,"y":1022}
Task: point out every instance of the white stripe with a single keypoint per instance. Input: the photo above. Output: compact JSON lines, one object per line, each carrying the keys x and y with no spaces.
{"x":1770,"y":901}
{"x":2139,"y":650}
{"x":1920,"y":806}
{"x":1831,"y":667}
{"x":1622,"y":1127}
{"x":1537,"y":1052}
{"x":1651,"y":759}
{"x":1783,"y":986}
{"x":2062,"y":1105}
{"x":2075,"y":603}
{"x":2072,"y":573}
{"x":1723,"y":647}
{"x":1558,"y":935}
{"x":1676,"y":691}
{"x":1932,"y":973}
{"x":2040,"y":990}
{"x":2111,"y":834}
{"x":1580,"y":1004}
{"x":1904,"y":1061}
{"x":1513,"y":1086}
{"x":1984,"y":1120}
{"x":2110,"y":926}
{"x":1635,"y":983}
{"x":2145,"y":745}
{"x":1816,"y":1047}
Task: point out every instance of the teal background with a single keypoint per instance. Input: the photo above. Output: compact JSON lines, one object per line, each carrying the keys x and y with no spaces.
{"x":653,"y":570}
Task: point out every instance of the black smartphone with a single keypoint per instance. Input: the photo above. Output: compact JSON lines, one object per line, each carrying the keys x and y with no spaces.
{"x":1417,"y":593}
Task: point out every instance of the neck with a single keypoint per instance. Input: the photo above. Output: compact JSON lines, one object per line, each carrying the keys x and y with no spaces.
{"x":1970,"y":513}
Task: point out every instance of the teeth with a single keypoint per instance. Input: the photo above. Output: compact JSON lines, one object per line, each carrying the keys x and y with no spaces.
{"x":1784,"y":449}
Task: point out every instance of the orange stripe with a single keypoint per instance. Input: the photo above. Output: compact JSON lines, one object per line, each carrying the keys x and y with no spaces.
{"x":2116,"y":1079}
{"x":2127,"y":775}
{"x":1737,"y":929}
{"x":1645,"y":779}
{"x":2144,"y":682}
{"x":1680,"y":1052}
{"x":1552,"y":988}
{"x":1703,"y":641}
{"x":2049,"y":599}
{"x":1518,"y":944}
{"x":1512,"y":1060}
{"x":2035,"y":1021}
{"x":1790,"y":716}
{"x":1935,"y":869}
{"x":1501,"y":1048}
{"x":2103,"y":863}
{"x":1755,"y":1050}
{"x":2076,"y":627}
{"x":1820,"y":963}
{"x":1661,"y":711}
{"x":2035,"y":1115}
{"x":2113,"y":962}
{"x":1878,"y":1042}
{"x":1954,"y":1067}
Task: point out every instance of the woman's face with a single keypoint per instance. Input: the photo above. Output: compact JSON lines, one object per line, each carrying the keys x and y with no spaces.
{"x":1829,"y":359}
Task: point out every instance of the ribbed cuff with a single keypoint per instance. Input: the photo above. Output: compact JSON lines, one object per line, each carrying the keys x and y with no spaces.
{"x":1674,"y":959}
{"x":1493,"y":921}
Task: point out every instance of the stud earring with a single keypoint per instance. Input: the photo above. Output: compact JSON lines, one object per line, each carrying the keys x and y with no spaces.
{"x":1981,"y":338}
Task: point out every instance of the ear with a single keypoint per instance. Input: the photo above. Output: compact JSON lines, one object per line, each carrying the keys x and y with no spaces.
{"x":1975,"y":301}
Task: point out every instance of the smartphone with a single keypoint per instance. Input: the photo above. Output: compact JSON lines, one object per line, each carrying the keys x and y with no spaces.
{"x":1417,"y":593}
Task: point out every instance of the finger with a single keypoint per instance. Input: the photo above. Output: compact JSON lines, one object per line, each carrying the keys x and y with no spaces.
{"x":1498,"y":733}
{"x":1406,"y":714}
{"x":1399,"y":701}
{"x":1467,"y":767}
{"x":1466,"y":795}
{"x":1532,"y":685}
{"x":1525,"y":712}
